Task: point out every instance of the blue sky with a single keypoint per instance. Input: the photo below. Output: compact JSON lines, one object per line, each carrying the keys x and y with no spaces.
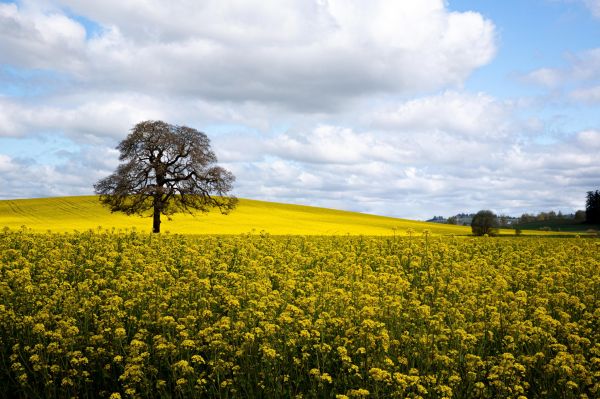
{"x":406,"y":109}
{"x":531,"y":35}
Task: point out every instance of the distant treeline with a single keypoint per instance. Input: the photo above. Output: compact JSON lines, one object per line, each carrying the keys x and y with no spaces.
{"x":544,"y":220}
{"x":512,"y":221}
{"x":578,"y":216}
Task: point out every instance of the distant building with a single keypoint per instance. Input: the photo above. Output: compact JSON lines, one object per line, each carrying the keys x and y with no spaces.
{"x":438,"y":219}
{"x":507,"y":221}
{"x":464,"y":219}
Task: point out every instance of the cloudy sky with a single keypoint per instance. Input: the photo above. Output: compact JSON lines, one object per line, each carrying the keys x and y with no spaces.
{"x":400,"y":108}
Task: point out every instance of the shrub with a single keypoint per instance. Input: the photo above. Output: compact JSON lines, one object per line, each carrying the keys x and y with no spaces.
{"x":484,"y":222}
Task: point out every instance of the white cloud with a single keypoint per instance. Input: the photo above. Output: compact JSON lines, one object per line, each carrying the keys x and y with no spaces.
{"x":474,"y":115}
{"x":337,"y":166}
{"x":34,"y":40}
{"x":303,"y":98}
{"x":301,"y":55}
{"x":332,"y":145}
{"x":449,"y":152}
{"x":441,"y":166}
{"x":104,"y":116}
{"x":6,"y":164}
{"x":513,"y":181}
{"x":24,"y":178}
{"x":580,"y":77}
{"x":83,"y":119}
{"x":589,"y":138}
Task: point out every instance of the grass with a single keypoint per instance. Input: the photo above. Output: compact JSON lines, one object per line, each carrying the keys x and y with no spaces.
{"x":64,"y":214}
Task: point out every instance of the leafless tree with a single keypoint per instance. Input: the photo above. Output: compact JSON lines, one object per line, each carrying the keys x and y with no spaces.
{"x":166,"y":168}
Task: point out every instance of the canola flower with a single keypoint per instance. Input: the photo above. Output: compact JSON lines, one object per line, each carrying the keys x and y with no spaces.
{"x":126,"y":315}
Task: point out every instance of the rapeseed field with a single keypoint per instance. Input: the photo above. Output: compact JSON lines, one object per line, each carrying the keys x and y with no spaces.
{"x":67,"y":214}
{"x":122,"y":314}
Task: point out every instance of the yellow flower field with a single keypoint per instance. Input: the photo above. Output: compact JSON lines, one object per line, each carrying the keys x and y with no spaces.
{"x":125,"y":314}
{"x":67,"y":214}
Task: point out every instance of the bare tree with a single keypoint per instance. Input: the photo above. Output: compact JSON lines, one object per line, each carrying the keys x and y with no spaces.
{"x":166,"y":168}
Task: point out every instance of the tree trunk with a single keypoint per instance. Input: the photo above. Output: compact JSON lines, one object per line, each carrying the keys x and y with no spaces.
{"x":156,"y":221}
{"x":158,"y":195}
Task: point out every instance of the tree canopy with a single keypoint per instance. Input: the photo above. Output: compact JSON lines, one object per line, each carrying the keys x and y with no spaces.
{"x":166,"y":168}
{"x":592,"y":207}
{"x":484,"y":222}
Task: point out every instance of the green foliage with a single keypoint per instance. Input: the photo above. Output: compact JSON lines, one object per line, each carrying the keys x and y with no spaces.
{"x":563,"y":225}
{"x":484,"y":222}
{"x":592,"y":207}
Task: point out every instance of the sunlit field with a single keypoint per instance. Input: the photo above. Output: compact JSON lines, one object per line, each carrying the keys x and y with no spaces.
{"x":82,"y":213}
{"x":68,"y":214}
{"x":101,"y":314}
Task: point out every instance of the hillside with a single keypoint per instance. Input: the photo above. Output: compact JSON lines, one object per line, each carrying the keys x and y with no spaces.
{"x":81,"y":213}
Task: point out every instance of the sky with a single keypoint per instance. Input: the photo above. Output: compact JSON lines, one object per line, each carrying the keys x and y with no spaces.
{"x":400,"y":108}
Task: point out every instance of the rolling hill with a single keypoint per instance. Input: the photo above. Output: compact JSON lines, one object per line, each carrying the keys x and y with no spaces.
{"x":64,"y":214}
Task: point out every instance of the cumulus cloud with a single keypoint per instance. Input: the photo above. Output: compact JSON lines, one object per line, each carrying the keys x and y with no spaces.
{"x":376,"y":171}
{"x":82,"y":119}
{"x":6,"y":164}
{"x":26,"y":178}
{"x":513,"y":179}
{"x":589,"y":138}
{"x":34,"y":40}
{"x":347,"y":104}
{"x":456,"y":112}
{"x":300,"y":55}
{"x":428,"y":155}
{"x":95,"y":117}
{"x":413,"y":166}
{"x":332,"y":145}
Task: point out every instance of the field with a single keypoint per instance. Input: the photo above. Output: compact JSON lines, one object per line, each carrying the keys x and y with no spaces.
{"x":68,"y":214}
{"x":130,"y":314}
{"x":65,"y":214}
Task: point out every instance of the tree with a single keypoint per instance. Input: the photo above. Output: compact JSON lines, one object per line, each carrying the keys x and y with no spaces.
{"x":592,"y":207}
{"x":579,"y":216}
{"x":484,"y":222}
{"x":526,"y":218}
{"x":503,"y":220}
{"x":166,"y":168}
